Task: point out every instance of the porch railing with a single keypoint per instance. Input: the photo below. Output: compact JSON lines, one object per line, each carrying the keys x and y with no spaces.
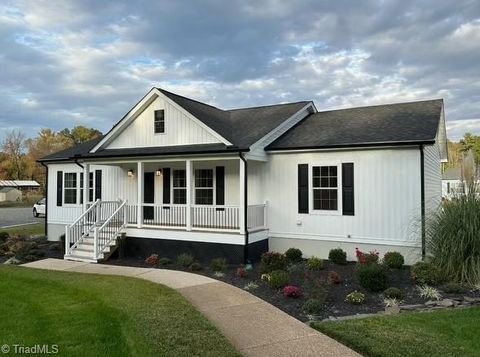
{"x":257,"y":217}
{"x":215,"y":217}
{"x":81,"y":226}
{"x":164,"y":215}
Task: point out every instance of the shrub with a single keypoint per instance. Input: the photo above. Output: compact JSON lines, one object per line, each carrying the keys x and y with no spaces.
{"x":391,"y":302}
{"x":278,"y":279}
{"x":185,"y":260}
{"x":4,"y":236}
{"x":372,"y":277}
{"x":366,"y":258}
{"x":296,"y":273}
{"x":425,"y":273}
{"x":334,"y":277}
{"x":453,"y":237}
{"x":164,"y":261}
{"x":429,"y":292}
{"x":393,"y":293}
{"x":293,"y":255}
{"x":152,"y":260}
{"x":271,"y":261}
{"x":355,"y":298}
{"x":218,"y":264}
{"x":251,"y":286}
{"x":265,"y":277}
{"x":338,"y":256}
{"x":453,"y":288}
{"x":315,"y":290}
{"x":292,"y":291}
{"x":393,"y":260}
{"x":315,"y":263}
{"x":313,"y":306}
{"x":195,"y":266}
{"x":242,"y":272}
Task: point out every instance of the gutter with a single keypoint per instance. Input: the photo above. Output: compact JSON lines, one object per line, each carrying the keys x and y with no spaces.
{"x":422,"y":199}
{"x":46,"y":198}
{"x":76,"y":161}
{"x":347,"y":146}
{"x":245,"y":215}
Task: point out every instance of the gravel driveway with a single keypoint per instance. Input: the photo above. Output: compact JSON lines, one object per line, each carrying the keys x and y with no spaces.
{"x":18,"y":216}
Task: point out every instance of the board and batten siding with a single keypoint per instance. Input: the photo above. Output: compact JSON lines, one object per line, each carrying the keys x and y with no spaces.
{"x":433,"y":179}
{"x":180,"y":129}
{"x":67,"y":213}
{"x":387,"y":198}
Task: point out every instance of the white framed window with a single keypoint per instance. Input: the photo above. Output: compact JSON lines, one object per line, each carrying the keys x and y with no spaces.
{"x":159,"y":122}
{"x":179,"y":188}
{"x":70,"y":188}
{"x":204,"y":187}
{"x":325,"y":184}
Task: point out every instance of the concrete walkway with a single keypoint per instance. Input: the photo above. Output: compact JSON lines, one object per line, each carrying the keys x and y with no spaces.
{"x":252,"y":325}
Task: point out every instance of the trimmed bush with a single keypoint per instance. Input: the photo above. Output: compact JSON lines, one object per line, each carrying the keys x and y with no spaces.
{"x":372,"y":277}
{"x":152,"y":260}
{"x":313,"y":306}
{"x":355,"y":298}
{"x":425,"y":273}
{"x":296,"y":273}
{"x":293,"y":255}
{"x":292,"y":291}
{"x":278,"y":279}
{"x":393,"y":293}
{"x":195,"y":266}
{"x":315,"y":263}
{"x":185,"y":260}
{"x":164,"y":261}
{"x":338,"y":256}
{"x":218,"y":264}
{"x":453,"y":288}
{"x":393,"y":260}
{"x":271,"y":261}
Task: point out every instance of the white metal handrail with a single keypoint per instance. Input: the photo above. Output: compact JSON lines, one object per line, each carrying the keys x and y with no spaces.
{"x":109,"y":230}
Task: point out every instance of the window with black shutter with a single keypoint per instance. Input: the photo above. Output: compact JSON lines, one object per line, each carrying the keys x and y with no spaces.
{"x":303,"y":188}
{"x":59,"y":188}
{"x":220,"y":185}
{"x":98,"y":185}
{"x":348,"y":197}
{"x":325,"y":188}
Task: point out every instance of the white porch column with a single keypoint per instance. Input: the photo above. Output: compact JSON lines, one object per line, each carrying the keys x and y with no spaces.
{"x":188,"y":176}
{"x":139,"y":194}
{"x":241,"y":212}
{"x":86,"y":182}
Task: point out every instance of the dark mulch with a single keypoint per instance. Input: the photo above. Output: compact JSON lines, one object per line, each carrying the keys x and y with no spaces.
{"x":335,"y":304}
{"x":40,"y":249}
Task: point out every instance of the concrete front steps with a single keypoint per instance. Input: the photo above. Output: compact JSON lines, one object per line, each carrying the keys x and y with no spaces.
{"x":83,"y":252}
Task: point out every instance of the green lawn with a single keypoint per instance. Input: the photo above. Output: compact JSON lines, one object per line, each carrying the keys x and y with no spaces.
{"x":27,"y":230}
{"x":94,"y":315}
{"x":439,"y":333}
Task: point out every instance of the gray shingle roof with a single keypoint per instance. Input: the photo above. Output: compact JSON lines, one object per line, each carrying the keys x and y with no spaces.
{"x":380,"y":124}
{"x":69,"y":153}
{"x":452,"y":173}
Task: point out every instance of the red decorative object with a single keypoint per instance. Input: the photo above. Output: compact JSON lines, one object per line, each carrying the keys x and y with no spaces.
{"x":292,"y":291}
{"x":152,"y":260}
{"x":371,"y":257}
{"x":242,"y":272}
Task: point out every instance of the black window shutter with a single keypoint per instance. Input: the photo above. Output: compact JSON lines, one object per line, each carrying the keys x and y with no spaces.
{"x":303,"y":188}
{"x":348,"y":200}
{"x":59,"y":188}
{"x":98,"y":184}
{"x":220,"y":185}
{"x":166,"y":185}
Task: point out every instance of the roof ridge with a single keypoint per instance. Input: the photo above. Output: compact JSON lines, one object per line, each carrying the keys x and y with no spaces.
{"x":269,"y":105}
{"x":193,"y":100}
{"x":381,"y":105}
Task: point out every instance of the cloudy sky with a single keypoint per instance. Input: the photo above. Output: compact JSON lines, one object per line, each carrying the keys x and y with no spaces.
{"x":87,"y":61}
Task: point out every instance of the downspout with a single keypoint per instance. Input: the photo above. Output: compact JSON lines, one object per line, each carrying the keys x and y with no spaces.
{"x":245,"y":216}
{"x":46,"y":198}
{"x":76,"y":161}
{"x":422,"y":195}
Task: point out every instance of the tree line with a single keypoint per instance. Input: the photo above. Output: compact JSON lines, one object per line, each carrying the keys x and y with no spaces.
{"x":458,"y":150}
{"x":19,"y":155}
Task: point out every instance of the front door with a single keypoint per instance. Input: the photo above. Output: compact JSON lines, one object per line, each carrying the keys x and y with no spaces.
{"x":148,"y":194}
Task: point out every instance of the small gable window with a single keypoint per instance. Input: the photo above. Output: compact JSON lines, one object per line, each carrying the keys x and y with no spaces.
{"x":159,"y":123}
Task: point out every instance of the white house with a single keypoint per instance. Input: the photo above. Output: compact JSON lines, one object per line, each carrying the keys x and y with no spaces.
{"x":177,"y":175}
{"x":10,"y":194}
{"x":452,"y":183}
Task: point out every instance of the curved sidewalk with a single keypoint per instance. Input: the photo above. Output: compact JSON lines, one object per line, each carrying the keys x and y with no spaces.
{"x":253,"y":326}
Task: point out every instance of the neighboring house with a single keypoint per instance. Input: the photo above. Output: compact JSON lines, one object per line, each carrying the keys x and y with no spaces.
{"x":23,"y":185}
{"x":178,"y":175}
{"x":10,"y":194}
{"x":452,"y":182}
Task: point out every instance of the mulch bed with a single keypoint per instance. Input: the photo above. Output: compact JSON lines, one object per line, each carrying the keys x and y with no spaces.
{"x":335,"y":304}
{"x":32,"y":248}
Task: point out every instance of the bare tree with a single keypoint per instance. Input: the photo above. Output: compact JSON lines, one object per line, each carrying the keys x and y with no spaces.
{"x":13,"y":147}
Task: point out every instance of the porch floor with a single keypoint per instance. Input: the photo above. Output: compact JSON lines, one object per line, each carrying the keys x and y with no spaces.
{"x":254,"y":327}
